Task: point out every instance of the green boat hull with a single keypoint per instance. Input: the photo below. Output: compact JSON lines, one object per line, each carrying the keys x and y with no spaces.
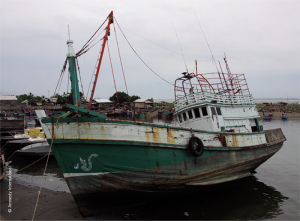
{"x":105,"y":172}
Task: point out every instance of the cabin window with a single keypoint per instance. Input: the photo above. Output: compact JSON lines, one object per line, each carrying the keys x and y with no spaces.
{"x":179,"y":118}
{"x":219,"y":111}
{"x":184,"y":116}
{"x":197,"y":113}
{"x":190,"y":114}
{"x":204,"y":111}
{"x":213,"y":110}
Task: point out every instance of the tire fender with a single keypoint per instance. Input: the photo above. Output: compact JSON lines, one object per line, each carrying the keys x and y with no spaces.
{"x":196,"y":146}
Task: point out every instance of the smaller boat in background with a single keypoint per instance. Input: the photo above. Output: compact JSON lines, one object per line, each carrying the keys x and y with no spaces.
{"x":30,"y":136}
{"x":35,"y":150}
{"x":266,"y":117}
{"x":6,"y":136}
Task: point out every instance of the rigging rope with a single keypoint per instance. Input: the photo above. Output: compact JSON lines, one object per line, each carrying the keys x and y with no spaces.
{"x":161,"y":46}
{"x":60,"y":84}
{"x":62,"y":71}
{"x":80,"y":78}
{"x":121,"y":61}
{"x":95,"y":68}
{"x":82,"y":52}
{"x":86,"y":44}
{"x":140,"y":57}
{"x":68,"y":82}
{"x":113,"y":73}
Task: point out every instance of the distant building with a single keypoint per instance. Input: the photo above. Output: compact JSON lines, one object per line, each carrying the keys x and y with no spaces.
{"x":103,"y":101}
{"x":163,"y":103}
{"x":8,"y":100}
{"x":142,"y":103}
{"x":53,"y":99}
{"x":98,"y":103}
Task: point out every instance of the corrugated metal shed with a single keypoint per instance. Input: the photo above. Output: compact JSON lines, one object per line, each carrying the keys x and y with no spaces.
{"x":8,"y":98}
{"x":103,"y":101}
{"x":53,"y":99}
{"x":143,"y":101}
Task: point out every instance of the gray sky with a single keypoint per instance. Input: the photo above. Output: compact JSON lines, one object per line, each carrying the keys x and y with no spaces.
{"x":260,"y":38}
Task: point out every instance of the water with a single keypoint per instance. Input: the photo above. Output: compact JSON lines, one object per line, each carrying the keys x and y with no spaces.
{"x":272,"y":193}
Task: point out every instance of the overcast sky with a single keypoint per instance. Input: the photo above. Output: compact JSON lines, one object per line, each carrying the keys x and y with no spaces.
{"x":260,"y":38}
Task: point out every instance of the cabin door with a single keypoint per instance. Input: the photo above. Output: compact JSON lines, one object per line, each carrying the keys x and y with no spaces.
{"x":217,"y":118}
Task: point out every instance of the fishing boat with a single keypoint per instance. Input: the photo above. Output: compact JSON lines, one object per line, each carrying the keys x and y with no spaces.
{"x":30,"y":136}
{"x":267,"y":117}
{"x":35,"y":150}
{"x":107,"y":161}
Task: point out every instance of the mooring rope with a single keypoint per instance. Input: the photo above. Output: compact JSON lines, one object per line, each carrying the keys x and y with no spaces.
{"x":3,"y":146}
{"x":39,"y":192}
{"x":30,"y":164}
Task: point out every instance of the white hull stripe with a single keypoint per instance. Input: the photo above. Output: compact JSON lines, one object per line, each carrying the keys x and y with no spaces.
{"x":66,"y":175}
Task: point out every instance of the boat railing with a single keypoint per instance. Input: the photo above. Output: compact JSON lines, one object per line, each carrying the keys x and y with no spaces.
{"x":207,"y":97}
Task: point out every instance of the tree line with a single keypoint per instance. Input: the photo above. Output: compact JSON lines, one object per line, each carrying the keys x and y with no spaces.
{"x":67,"y":97}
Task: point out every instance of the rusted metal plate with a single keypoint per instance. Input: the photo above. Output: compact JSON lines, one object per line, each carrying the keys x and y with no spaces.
{"x":275,"y":136}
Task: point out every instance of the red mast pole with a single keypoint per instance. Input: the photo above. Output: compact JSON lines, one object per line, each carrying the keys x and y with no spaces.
{"x":110,"y":20}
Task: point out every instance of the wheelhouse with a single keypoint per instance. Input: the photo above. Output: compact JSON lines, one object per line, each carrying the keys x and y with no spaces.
{"x":215,"y":102}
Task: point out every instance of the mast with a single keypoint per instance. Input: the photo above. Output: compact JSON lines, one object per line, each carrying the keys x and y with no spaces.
{"x":73,"y":74}
{"x":110,"y":20}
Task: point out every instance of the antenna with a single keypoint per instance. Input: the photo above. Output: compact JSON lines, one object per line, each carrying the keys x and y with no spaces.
{"x":180,"y":49}
{"x":207,"y":42}
{"x":69,"y":31}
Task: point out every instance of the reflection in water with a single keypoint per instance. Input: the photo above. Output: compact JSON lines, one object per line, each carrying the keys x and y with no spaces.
{"x":37,"y":169}
{"x":32,"y":176}
{"x":244,"y":199}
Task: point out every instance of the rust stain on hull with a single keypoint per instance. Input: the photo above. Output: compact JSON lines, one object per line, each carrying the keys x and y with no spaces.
{"x":234,"y":141}
{"x":221,"y":138}
{"x":156,"y":134}
{"x":170,"y":136}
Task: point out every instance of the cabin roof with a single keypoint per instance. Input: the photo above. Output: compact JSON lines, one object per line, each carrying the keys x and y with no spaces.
{"x":103,"y":101}
{"x":143,"y":101}
{"x":8,"y":98}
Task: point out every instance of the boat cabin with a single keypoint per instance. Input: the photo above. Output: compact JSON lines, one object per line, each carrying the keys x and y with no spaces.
{"x":215,"y":102}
